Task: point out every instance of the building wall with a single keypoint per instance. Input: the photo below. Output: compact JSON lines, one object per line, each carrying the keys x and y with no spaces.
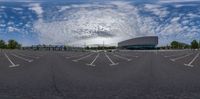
{"x":141,"y":42}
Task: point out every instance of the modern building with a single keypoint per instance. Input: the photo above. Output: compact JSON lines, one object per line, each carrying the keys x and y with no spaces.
{"x":147,"y":42}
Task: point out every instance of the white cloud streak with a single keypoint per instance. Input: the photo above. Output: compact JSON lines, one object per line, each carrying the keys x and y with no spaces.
{"x":156,"y":10}
{"x":37,"y":8}
{"x":177,"y":1}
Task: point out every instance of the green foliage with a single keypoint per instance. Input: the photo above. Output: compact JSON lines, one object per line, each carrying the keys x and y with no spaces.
{"x":194,"y":44}
{"x":174,"y":44}
{"x":199,"y":43}
{"x":179,"y":45}
{"x":2,"y":44}
{"x":100,"y":48}
{"x":12,"y":44}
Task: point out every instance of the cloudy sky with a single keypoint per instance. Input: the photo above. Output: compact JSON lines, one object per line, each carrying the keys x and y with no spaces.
{"x":79,"y":22}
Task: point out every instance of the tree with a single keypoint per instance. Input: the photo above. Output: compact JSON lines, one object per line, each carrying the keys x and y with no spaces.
{"x":175,"y":44}
{"x":199,"y":44}
{"x":18,"y":46}
{"x":179,"y":45}
{"x":2,"y":44}
{"x":12,"y":44}
{"x":194,"y":44}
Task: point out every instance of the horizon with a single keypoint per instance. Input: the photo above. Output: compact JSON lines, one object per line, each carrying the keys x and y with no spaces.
{"x":92,"y":22}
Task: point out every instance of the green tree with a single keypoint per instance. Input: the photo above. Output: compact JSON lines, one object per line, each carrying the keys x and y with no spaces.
{"x":12,"y":44}
{"x":2,"y":44}
{"x":194,"y":44}
{"x":175,"y":44}
{"x":18,"y":46}
{"x":199,"y":44}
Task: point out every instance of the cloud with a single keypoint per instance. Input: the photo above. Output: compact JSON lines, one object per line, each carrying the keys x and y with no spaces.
{"x":18,"y":9}
{"x":115,"y":20}
{"x":185,"y":5}
{"x":108,"y":22}
{"x":156,"y":10}
{"x":37,"y":8}
{"x":19,"y":0}
{"x":2,"y":7}
{"x":192,"y":15}
{"x":177,"y":1}
{"x":13,"y":29}
{"x":111,"y":22}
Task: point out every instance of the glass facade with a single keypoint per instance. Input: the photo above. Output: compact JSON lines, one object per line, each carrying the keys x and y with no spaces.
{"x":140,"y":47}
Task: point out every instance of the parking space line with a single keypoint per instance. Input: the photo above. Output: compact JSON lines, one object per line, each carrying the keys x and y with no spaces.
{"x":28,"y":56}
{"x":76,"y":56}
{"x":181,"y":57}
{"x":12,"y":63}
{"x":27,"y":60}
{"x":92,"y":63}
{"x":190,"y":64}
{"x":118,"y":56}
{"x":112,"y":63}
{"x":76,"y":60}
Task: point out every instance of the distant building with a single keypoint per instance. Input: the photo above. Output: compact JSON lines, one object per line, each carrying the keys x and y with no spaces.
{"x":147,"y":42}
{"x":51,"y":48}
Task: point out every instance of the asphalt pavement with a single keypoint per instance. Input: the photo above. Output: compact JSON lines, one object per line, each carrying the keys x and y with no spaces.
{"x":171,"y":74}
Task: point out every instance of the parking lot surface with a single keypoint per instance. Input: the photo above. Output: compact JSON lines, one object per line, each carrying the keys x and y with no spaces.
{"x":163,"y":74}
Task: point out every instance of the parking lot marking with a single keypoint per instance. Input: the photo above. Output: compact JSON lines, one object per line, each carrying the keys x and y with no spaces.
{"x":12,"y":64}
{"x":76,"y":60}
{"x":181,"y":57}
{"x":77,"y":55}
{"x":27,"y":56}
{"x":28,"y":60}
{"x":190,"y":64}
{"x":112,"y":63}
{"x":118,"y":56}
{"x":92,"y":63}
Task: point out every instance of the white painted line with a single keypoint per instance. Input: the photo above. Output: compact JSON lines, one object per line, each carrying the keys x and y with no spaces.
{"x":28,"y":60}
{"x":118,"y":56}
{"x":76,"y":60}
{"x":12,"y":64}
{"x":92,"y":63}
{"x":112,"y":63}
{"x":181,"y":57}
{"x":190,"y":64}
{"x":76,"y":56}
{"x":27,"y":56}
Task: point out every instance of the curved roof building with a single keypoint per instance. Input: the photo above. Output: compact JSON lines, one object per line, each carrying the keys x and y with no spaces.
{"x":147,"y":42}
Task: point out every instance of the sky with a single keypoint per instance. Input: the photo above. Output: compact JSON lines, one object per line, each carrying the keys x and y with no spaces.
{"x":80,"y":22}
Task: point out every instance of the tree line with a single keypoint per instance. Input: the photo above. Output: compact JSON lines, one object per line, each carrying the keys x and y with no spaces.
{"x":11,"y":44}
{"x":178,"y":45}
{"x":100,"y":48}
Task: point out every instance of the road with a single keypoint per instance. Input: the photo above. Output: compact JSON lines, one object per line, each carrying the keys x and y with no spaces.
{"x":54,"y":75}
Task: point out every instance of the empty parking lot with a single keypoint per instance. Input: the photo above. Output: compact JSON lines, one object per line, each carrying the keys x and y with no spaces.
{"x":166,"y":74}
